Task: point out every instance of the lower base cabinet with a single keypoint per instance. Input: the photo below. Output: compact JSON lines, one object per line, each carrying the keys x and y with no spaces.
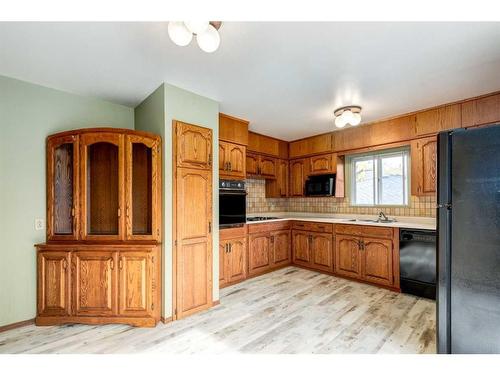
{"x":313,"y":246}
{"x":232,"y":261}
{"x":269,"y":247}
{"x":98,"y":284}
{"x":368,"y":253}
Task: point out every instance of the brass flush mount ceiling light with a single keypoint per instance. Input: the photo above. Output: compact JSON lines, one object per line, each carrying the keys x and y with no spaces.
{"x":206,"y":32}
{"x":349,"y":115}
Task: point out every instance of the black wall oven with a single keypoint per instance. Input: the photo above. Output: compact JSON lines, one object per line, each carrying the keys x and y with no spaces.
{"x":232,"y":203}
{"x":323,"y":185}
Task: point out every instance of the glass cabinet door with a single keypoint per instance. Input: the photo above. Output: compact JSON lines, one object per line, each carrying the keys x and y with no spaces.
{"x":102,"y":185}
{"x":62,"y":193}
{"x":142,"y":188}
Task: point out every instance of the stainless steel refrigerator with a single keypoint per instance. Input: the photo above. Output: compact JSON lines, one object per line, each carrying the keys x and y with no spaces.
{"x":468,"y":293}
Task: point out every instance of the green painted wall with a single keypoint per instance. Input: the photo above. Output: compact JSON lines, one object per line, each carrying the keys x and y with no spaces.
{"x":188,"y":107}
{"x":28,"y":113}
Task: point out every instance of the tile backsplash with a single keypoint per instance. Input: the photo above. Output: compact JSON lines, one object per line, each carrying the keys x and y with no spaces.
{"x":257,"y":202}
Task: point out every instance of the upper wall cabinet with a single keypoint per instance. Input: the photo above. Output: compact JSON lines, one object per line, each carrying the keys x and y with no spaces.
{"x":262,"y":144}
{"x":232,"y":129}
{"x":103,"y":184}
{"x":481,"y":111}
{"x":62,"y":187}
{"x":194,"y":146}
{"x":424,"y":166}
{"x":323,"y":164}
{"x":232,"y":160}
{"x":437,"y":120}
{"x":379,"y":133}
{"x":310,"y":146}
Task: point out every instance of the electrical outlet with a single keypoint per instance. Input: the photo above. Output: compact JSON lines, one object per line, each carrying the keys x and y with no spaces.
{"x":39,"y":224}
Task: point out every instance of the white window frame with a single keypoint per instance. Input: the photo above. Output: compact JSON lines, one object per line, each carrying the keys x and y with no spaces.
{"x":377,"y":157}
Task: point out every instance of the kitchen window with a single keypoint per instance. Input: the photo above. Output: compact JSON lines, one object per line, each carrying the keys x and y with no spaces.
{"x":380,"y":179}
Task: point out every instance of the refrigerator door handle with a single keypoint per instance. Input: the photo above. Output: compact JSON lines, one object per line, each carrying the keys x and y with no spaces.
{"x":446,"y":205}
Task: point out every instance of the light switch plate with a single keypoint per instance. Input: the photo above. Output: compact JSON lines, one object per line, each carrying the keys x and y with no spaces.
{"x":39,"y":224}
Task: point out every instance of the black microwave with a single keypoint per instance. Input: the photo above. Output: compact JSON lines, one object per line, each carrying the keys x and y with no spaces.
{"x":322,"y":185}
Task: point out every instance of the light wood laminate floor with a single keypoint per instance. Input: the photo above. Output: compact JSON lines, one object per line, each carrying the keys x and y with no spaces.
{"x":287,"y":311}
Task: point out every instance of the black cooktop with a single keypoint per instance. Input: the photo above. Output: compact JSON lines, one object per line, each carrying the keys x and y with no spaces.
{"x":261,"y":218}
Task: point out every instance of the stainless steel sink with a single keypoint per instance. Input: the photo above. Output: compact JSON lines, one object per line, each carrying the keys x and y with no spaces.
{"x":373,"y":220}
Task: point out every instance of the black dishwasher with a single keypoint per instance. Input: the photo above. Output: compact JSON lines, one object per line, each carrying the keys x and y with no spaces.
{"x":417,"y":261}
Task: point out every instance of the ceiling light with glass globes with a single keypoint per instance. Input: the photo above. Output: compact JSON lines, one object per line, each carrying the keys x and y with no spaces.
{"x":349,"y":115}
{"x":206,"y":33}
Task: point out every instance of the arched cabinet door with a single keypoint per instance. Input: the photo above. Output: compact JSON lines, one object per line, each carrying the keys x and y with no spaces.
{"x":102,"y":186}
{"x":193,"y":146}
{"x":142,"y":188}
{"x":62,"y":188}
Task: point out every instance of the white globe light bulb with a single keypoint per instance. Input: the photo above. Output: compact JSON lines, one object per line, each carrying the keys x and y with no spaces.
{"x":339,"y":122}
{"x":209,"y":40}
{"x":347,"y":116}
{"x":356,"y":119}
{"x":196,"y":27}
{"x":179,"y":34}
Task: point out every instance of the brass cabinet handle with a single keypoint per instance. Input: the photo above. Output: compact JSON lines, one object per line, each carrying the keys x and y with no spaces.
{"x":65,"y":264}
{"x":230,"y":167}
{"x":73,"y":211}
{"x":120,"y":264}
{"x":112,"y":264}
{"x":209,"y":159}
{"x":119,"y":212}
{"x":209,"y":227}
{"x":230,"y":247}
{"x":226,"y":248}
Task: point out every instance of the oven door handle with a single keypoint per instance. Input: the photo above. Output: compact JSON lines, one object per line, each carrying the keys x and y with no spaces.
{"x":231,"y":192}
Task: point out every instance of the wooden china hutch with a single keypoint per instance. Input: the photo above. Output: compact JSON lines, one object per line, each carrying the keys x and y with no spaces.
{"x":102,"y":259}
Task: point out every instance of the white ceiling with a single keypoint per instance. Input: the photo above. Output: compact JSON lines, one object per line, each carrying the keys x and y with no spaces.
{"x":285,"y":78}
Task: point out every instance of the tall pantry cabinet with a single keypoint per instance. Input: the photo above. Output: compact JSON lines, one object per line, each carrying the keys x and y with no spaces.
{"x":101,"y":262}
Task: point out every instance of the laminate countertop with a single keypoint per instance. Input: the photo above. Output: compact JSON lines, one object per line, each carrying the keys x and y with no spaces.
{"x":411,"y":222}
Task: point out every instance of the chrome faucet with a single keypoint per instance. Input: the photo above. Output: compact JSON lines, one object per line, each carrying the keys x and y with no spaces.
{"x":382,"y":216}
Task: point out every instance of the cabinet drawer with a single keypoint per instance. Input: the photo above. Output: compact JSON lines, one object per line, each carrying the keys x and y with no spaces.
{"x":268,"y":227}
{"x":361,"y":230}
{"x":313,"y":227}
{"x":227,"y":233}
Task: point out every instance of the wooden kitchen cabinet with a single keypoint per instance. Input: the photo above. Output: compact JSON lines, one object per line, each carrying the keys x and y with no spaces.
{"x":481,"y":111}
{"x":312,"y":245}
{"x":298,"y":175}
{"x":368,"y":253}
{"x":103,"y":228}
{"x":95,"y":283}
{"x":323,"y":164}
{"x":281,"y":247}
{"x":322,"y":251}
{"x":233,"y":129}
{"x":232,"y":160}
{"x":136,"y":278}
{"x":312,"y":145}
{"x":347,"y":260}
{"x":268,"y":246}
{"x":252,"y":165}
{"x":424,"y":166}
{"x":260,"y":166}
{"x":376,"y":260}
{"x":193,"y":146}
{"x":53,"y":283}
{"x":278,"y":188}
{"x":259,"y":253}
{"x":301,"y":247}
{"x":232,"y":256}
{"x":62,"y":188}
{"x":436,"y":120}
